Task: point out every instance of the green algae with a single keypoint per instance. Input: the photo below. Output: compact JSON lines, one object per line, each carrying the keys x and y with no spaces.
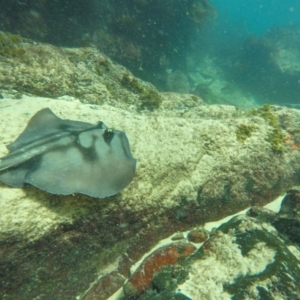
{"x":265,"y":112}
{"x":102,"y":67}
{"x":276,"y":139}
{"x":10,"y":45}
{"x":276,"y":136}
{"x":149,"y":98}
{"x":132,"y":83}
{"x":244,"y":131}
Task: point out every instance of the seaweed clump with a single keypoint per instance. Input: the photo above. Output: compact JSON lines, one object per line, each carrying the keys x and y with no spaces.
{"x":10,"y":45}
{"x":276,"y":137}
{"x":244,"y":131}
{"x":149,"y":98}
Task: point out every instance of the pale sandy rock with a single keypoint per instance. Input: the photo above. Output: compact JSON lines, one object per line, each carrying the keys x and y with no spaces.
{"x":196,"y":159}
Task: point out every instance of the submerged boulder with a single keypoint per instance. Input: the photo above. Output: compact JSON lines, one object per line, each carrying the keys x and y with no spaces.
{"x":195,"y":165}
{"x":243,"y":259}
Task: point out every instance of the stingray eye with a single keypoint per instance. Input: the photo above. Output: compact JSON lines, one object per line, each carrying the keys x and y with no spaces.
{"x":108,"y":135}
{"x":100,"y":124}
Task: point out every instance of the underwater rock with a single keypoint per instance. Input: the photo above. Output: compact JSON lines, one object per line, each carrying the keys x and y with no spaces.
{"x":211,"y":170}
{"x":169,"y":255}
{"x":287,"y":221}
{"x":197,"y":235}
{"x":261,"y":213}
{"x":192,"y":169}
{"x":27,"y":67}
{"x":105,"y":287}
{"x":243,"y":252}
{"x":243,"y":258}
{"x":139,"y":34}
{"x":178,"y":82}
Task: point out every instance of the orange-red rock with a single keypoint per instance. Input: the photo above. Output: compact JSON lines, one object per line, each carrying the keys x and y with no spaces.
{"x":197,"y":236}
{"x":162,"y":257}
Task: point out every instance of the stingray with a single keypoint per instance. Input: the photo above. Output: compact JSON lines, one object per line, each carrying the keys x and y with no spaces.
{"x":66,"y":157}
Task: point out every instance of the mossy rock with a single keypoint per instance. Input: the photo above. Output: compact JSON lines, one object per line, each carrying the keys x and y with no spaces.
{"x":149,"y":97}
{"x":244,"y":131}
{"x":10,"y":45}
{"x":276,"y":136}
{"x":282,"y":273}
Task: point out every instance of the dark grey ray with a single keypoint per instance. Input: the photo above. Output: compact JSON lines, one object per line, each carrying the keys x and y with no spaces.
{"x":65,"y":157}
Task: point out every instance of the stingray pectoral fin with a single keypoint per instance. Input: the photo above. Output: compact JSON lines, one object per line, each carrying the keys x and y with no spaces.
{"x":43,"y":124}
{"x":59,"y":172}
{"x":15,"y":176}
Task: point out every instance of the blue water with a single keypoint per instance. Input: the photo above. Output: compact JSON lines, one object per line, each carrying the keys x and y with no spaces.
{"x":257,"y":16}
{"x":246,"y":37}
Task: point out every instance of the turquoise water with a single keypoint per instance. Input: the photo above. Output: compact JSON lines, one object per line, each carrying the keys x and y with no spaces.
{"x":255,"y":45}
{"x":258,"y":16}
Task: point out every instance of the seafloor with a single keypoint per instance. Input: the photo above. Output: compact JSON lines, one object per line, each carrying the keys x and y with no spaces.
{"x":197,"y":163}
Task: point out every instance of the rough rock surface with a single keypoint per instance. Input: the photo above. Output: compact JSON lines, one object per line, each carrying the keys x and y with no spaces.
{"x":288,"y":220}
{"x":85,"y":73}
{"x":196,"y":163}
{"x":243,"y":259}
{"x":182,"y":162}
{"x":27,"y":67}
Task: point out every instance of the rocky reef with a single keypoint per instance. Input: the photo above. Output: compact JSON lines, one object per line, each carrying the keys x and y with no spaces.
{"x":146,"y":36}
{"x":85,"y":73}
{"x":243,"y":258}
{"x":196,"y":163}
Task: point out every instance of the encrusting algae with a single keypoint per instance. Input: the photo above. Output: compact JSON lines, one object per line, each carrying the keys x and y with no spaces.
{"x":10,"y":44}
{"x":276,"y":137}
